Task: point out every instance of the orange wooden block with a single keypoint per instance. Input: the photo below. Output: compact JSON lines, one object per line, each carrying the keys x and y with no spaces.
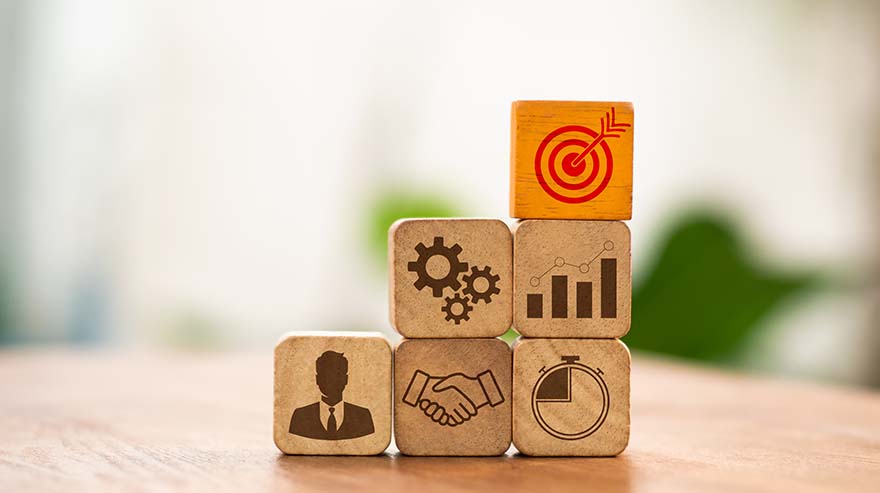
{"x":571,"y":160}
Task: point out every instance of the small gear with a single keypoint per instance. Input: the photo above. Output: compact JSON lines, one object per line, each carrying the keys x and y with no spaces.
{"x":451,"y":314}
{"x":491,"y":280}
{"x":420,"y":267}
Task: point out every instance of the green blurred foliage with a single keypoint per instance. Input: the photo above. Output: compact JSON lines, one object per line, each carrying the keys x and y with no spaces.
{"x":704,"y":297}
{"x":193,"y":331}
{"x":510,"y":336}
{"x":390,"y":205}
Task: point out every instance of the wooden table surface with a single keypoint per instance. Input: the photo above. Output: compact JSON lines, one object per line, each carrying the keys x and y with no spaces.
{"x":95,"y":420}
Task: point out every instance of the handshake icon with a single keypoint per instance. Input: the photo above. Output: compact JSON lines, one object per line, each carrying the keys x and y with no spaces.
{"x":452,"y":399}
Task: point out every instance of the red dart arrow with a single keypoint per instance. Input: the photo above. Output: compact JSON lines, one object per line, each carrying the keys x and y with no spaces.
{"x":612,"y":131}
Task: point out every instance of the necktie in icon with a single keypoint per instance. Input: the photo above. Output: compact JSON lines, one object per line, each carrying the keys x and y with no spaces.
{"x":331,"y":421}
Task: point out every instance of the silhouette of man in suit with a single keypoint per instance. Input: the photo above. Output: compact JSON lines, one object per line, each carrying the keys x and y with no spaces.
{"x":331,"y":418}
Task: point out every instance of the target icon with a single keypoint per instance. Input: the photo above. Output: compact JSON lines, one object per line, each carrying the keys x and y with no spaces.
{"x":574,"y":163}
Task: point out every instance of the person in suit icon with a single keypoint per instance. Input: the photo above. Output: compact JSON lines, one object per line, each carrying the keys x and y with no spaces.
{"x":331,"y":418}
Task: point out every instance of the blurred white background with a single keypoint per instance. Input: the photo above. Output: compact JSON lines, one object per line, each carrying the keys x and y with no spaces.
{"x":178,"y":164}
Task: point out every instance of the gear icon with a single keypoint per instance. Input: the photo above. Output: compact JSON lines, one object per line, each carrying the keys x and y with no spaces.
{"x":420,"y":267}
{"x":451,"y":313}
{"x":491,"y":280}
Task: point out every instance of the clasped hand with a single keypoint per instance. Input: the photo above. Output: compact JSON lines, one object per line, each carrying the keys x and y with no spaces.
{"x":452,"y":399}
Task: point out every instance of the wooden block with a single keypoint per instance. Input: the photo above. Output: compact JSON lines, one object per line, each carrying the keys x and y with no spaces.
{"x":571,"y":160}
{"x":571,"y":279}
{"x":452,"y":396}
{"x":571,"y":397}
{"x":450,"y":277}
{"x":332,"y":393}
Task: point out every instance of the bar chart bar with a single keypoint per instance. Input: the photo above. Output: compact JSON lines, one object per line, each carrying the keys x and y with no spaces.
{"x":584,"y":299}
{"x":535,"y":305}
{"x":609,"y":288}
{"x":559,"y":297}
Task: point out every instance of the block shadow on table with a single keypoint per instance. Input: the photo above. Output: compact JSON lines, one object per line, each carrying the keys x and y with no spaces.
{"x":510,"y":472}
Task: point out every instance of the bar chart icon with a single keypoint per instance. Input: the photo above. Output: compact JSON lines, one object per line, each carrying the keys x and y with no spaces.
{"x":560,"y":286}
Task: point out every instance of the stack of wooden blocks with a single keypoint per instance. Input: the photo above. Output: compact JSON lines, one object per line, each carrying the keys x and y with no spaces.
{"x":561,"y":278}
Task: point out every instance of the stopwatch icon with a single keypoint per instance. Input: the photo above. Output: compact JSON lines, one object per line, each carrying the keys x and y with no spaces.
{"x":570,"y":400}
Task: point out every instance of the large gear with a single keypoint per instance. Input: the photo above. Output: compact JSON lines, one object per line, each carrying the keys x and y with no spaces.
{"x":420,"y":267}
{"x":491,"y":280}
{"x":451,"y":314}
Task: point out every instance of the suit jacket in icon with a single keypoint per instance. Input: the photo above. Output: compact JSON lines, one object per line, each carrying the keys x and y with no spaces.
{"x":306,"y":422}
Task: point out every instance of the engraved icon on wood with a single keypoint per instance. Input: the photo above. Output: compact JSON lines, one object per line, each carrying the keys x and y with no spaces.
{"x":450,"y":278}
{"x":439,"y":267}
{"x":574,"y":163}
{"x":575,"y":386}
{"x":452,"y":400}
{"x":559,"y":286}
{"x":453,"y":396}
{"x":572,"y":279}
{"x":571,"y":160}
{"x":571,"y":397}
{"x":331,"y":418}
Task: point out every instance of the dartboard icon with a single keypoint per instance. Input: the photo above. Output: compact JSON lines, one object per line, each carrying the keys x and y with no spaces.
{"x":574,"y":163}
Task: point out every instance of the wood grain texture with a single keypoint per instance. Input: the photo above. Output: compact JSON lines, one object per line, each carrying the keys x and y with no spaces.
{"x":423,"y":283}
{"x":548,"y":137}
{"x":307,"y":364}
{"x":447,"y":371}
{"x":86,"y":420}
{"x":571,"y":397}
{"x":589,"y":258}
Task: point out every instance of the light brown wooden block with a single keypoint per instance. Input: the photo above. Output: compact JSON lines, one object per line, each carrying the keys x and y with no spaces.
{"x":571,"y":279}
{"x":452,"y":396}
{"x":571,"y":397}
{"x":313,"y":371}
{"x":450,"y":277}
{"x":571,"y":160}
